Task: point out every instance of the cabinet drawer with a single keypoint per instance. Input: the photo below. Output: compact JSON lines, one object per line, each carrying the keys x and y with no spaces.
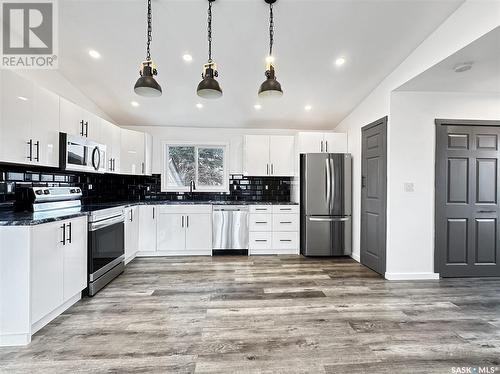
{"x":185,"y":209}
{"x":286,"y":209}
{"x":285,"y":240}
{"x":285,"y":222}
{"x":261,"y":209}
{"x":260,"y":240}
{"x":261,"y":222}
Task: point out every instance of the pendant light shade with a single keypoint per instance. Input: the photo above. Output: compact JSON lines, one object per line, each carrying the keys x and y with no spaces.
{"x":209,"y":88}
{"x":147,"y":85}
{"x":271,"y":87}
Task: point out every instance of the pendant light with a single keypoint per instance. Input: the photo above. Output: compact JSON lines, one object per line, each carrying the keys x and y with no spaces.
{"x":271,"y":87}
{"x":209,"y":88}
{"x":146,"y":85}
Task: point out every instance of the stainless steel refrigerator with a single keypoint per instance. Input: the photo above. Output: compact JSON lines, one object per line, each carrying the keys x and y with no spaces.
{"x":325,"y":204}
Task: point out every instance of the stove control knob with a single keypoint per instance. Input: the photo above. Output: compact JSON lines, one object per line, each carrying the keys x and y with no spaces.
{"x":39,"y":192}
{"x":72,"y":190}
{"x":78,"y":190}
{"x":46,"y":192}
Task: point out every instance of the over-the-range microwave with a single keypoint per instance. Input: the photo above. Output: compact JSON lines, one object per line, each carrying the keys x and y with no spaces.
{"x":77,"y":153}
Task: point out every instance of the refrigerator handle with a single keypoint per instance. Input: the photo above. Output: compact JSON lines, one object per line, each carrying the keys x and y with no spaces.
{"x":329,"y":219}
{"x":328,"y":182}
{"x":332,"y":193}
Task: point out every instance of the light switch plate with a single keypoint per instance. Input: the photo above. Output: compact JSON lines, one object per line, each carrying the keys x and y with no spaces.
{"x":409,"y":187}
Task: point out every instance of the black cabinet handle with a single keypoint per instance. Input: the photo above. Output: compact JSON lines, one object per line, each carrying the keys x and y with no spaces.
{"x":87,"y":129}
{"x":285,"y":240}
{"x":322,"y":146}
{"x":261,"y":240}
{"x":187,"y":221}
{"x":131,"y":216}
{"x":37,"y":145}
{"x":153,"y":212}
{"x":82,"y":133}
{"x":30,"y":143}
{"x":326,"y":146}
{"x":182,"y":222}
{"x":70,"y":233}
{"x":63,"y":227}
{"x":286,"y":222}
{"x":142,"y":166}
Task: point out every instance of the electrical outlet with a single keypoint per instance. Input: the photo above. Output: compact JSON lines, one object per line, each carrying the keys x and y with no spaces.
{"x":90,"y":187}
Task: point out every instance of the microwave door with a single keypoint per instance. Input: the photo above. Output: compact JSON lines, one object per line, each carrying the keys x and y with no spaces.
{"x":76,"y":155}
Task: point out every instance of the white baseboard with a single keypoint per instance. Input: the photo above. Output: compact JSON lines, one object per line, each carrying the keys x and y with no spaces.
{"x":411,"y":276}
{"x":176,"y":253}
{"x":56,"y":312}
{"x":356,"y":257}
{"x":13,"y":340}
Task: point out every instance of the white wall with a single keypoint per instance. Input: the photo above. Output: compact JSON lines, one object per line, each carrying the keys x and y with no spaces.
{"x":471,"y":21}
{"x":54,"y":81}
{"x":410,"y":240}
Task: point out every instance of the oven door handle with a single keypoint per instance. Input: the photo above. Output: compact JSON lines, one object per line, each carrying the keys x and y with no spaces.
{"x":109,"y":222}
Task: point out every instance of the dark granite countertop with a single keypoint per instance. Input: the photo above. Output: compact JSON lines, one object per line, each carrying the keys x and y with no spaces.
{"x":9,"y":217}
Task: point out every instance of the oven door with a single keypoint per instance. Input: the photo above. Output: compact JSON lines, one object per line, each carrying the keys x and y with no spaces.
{"x":106,"y":245}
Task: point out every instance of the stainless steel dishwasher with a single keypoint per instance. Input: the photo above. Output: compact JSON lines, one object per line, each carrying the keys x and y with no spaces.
{"x":230,"y":229}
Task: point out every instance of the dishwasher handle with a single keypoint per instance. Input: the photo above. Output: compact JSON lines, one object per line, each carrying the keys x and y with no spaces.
{"x":230,"y":209}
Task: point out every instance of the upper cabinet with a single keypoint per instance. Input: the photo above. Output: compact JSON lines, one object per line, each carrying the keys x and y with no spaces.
{"x":268,"y":155}
{"x":132,"y":157}
{"x":29,"y":122}
{"x":318,"y":142}
{"x":75,"y":120}
{"x":111,"y":136}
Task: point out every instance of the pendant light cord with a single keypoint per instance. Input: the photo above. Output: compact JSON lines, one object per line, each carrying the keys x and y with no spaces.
{"x":150,"y":32}
{"x":209,"y":31}
{"x":271,"y":29}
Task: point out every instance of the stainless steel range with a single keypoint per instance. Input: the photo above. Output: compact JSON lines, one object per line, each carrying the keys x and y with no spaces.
{"x":106,"y":243}
{"x":43,"y":199}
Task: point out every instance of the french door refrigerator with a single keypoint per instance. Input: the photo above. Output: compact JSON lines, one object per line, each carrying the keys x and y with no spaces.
{"x":325,"y":204}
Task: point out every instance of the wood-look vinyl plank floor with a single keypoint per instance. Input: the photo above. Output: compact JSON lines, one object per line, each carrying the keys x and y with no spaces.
{"x":269,"y":314}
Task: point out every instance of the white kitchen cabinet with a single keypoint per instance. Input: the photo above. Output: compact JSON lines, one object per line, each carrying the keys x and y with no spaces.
{"x":269,"y":155}
{"x":47,"y":269}
{"x":236,"y":155}
{"x":148,"y":215}
{"x":131,"y":233}
{"x":29,"y":122}
{"x":274,"y":231}
{"x":199,"y":232}
{"x":75,"y":120}
{"x":110,"y":135}
{"x":148,"y":154}
{"x":75,"y":257}
{"x":171,"y":234}
{"x":45,"y":127}
{"x":132,"y":152}
{"x":318,"y":142}
{"x":281,"y":156}
{"x":185,"y":230}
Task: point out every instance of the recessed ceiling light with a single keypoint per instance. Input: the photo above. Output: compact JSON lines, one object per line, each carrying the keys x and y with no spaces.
{"x":134,"y":104}
{"x":187,"y":57}
{"x":94,"y":54}
{"x":22,"y":98}
{"x":199,"y":106}
{"x":257,"y":107}
{"x":308,"y":108}
{"x":340,"y":61}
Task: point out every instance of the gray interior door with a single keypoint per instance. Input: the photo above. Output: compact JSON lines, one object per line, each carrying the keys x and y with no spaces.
{"x":467,"y":210}
{"x":374,"y":195}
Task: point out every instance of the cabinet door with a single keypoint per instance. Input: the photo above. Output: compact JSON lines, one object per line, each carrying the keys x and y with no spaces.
{"x":335,"y":142}
{"x":45,"y":127}
{"x":70,"y":118}
{"x":171,"y":235}
{"x":75,"y":257}
{"x":46,"y":269}
{"x":199,"y":232}
{"x":310,"y":142}
{"x":148,"y":154}
{"x":147,"y":228}
{"x":256,"y":155}
{"x":110,"y":136}
{"x":131,"y":233}
{"x":282,"y":156}
{"x":15,"y":122}
{"x":93,"y":125}
{"x":132,"y":152}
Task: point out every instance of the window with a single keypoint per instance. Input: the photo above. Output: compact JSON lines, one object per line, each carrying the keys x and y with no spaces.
{"x":206,"y":165}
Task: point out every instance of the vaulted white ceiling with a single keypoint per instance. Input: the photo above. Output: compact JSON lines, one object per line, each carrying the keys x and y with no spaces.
{"x":374,"y":36}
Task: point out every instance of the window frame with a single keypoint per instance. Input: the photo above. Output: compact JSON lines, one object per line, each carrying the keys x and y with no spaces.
{"x":196,"y":145}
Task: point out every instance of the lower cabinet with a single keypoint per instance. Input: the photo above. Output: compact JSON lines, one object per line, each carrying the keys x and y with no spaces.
{"x":131,"y":233}
{"x":45,"y":270}
{"x":148,"y":215}
{"x":184,"y":230}
{"x":274,"y":229}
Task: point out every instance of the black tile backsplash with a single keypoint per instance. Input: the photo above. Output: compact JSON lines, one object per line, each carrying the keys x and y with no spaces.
{"x":99,"y":188}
